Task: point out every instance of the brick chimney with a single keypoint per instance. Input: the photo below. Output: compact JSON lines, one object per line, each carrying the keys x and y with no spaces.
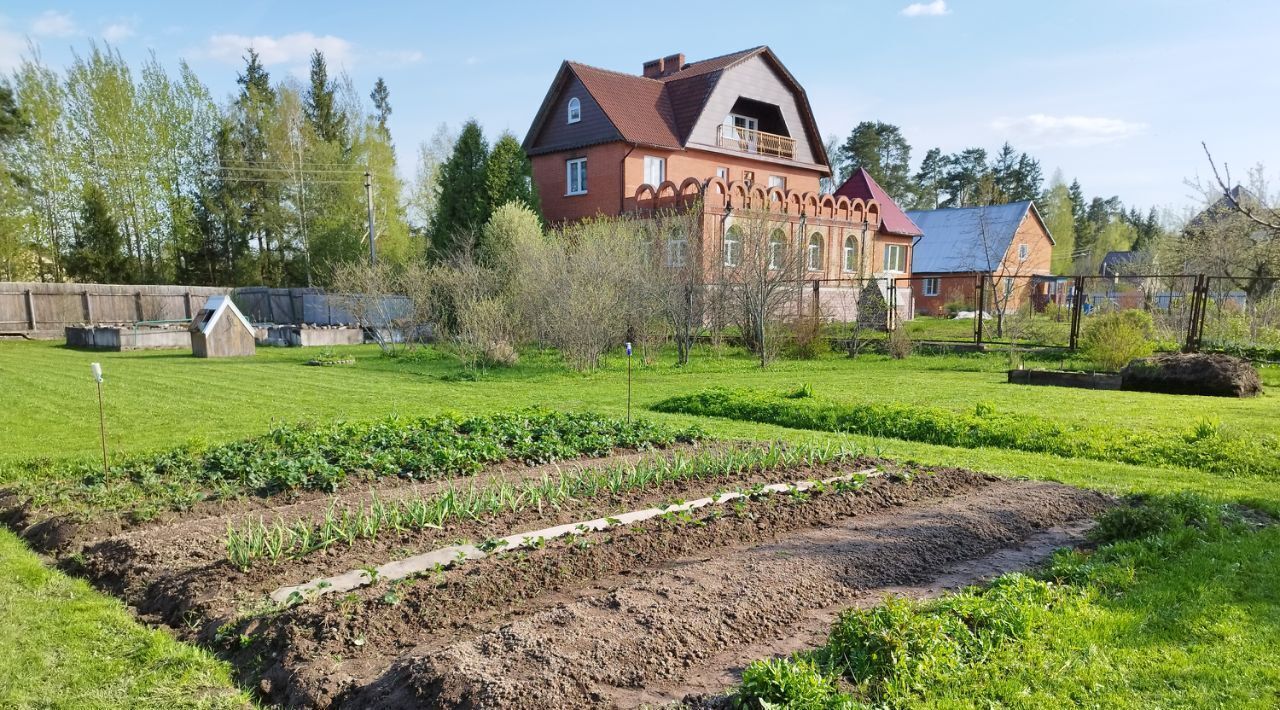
{"x":658,"y":68}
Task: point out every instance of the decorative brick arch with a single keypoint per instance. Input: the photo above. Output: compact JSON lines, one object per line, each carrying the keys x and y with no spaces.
{"x":857,"y":209}
{"x":777,"y":199}
{"x":828,"y":206}
{"x":873,"y":213}
{"x":842,"y":206}
{"x":794,"y":201}
{"x":758,"y":197}
{"x":691,"y":186}
{"x":667,"y":190}
{"x":646,"y":191}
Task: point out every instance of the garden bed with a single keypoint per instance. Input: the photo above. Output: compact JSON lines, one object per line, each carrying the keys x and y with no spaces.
{"x":1062,"y":378}
{"x":634,"y":613}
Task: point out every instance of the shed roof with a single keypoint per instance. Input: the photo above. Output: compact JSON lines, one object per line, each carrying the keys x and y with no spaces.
{"x":965,"y":239}
{"x":892,"y":219}
{"x":219,"y":305}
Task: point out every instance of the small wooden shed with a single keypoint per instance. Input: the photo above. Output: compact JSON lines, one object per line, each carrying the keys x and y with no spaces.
{"x":220,"y":330}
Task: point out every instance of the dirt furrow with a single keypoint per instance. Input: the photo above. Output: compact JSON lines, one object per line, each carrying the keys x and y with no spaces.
{"x":684,"y":625}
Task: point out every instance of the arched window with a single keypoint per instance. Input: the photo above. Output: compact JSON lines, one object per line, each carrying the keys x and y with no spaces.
{"x":575,"y":110}
{"x":732,"y":246}
{"x":850,"y":254}
{"x":777,"y":243}
{"x":815,"y":252}
{"x":677,"y":248}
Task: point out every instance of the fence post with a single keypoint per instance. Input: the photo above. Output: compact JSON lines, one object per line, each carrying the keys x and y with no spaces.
{"x":1199,"y":308}
{"x":982,"y":307}
{"x":137,"y":304}
{"x":816,"y":309}
{"x":31,"y":309}
{"x":1077,"y":309}
{"x":186,"y":305}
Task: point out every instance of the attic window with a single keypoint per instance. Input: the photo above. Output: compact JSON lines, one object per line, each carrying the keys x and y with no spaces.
{"x":575,"y":110}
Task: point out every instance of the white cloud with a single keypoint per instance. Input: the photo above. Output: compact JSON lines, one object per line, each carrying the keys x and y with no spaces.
{"x":292,"y":48}
{"x":926,"y":9}
{"x":52,"y":23}
{"x":118,"y":31}
{"x":12,"y":45}
{"x":1040,"y":130}
{"x":398,"y":56}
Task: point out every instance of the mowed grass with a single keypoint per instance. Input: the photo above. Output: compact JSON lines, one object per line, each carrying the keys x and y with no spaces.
{"x":66,"y":645}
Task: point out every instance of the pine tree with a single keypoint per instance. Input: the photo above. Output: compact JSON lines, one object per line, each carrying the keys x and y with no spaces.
{"x":381,"y":97}
{"x":1078,"y":206}
{"x":330,"y":124}
{"x":98,"y":250}
{"x":509,"y":176}
{"x":882,"y":151}
{"x":463,"y":206}
{"x":928,"y":180}
{"x":963,"y":180}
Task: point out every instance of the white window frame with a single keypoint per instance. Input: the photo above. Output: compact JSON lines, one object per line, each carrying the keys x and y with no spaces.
{"x":575,"y":110}
{"x":677,"y":251}
{"x":575,"y":170}
{"x":814,"y":252}
{"x":723,"y":174}
{"x":650,"y":161}
{"x":777,"y":181}
{"x":850,"y":254}
{"x":1024,"y":252}
{"x":777,"y":243}
{"x":901,"y":259}
{"x":1008,"y":287}
{"x":932,"y":286}
{"x":732,"y":246}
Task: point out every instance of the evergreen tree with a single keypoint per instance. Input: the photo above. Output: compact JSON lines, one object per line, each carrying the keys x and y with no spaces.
{"x":259,"y":198}
{"x":963,"y":178}
{"x":98,"y":250}
{"x":381,"y":97}
{"x":12,"y":124}
{"x":1078,"y":206}
{"x":329,"y":122}
{"x":882,"y":151}
{"x":929,"y":180}
{"x":509,"y":176}
{"x":463,"y":205}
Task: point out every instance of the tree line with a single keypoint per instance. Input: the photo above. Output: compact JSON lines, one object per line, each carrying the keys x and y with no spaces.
{"x":117,"y":175}
{"x":1085,"y":229}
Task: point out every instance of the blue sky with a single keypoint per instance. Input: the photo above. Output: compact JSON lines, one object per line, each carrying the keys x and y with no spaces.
{"x":1117,"y":93}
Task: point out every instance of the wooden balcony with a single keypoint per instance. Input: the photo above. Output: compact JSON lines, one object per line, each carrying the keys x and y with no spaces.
{"x":758,"y":142}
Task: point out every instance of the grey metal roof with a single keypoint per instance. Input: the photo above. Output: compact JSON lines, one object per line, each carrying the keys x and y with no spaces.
{"x":964,"y":239}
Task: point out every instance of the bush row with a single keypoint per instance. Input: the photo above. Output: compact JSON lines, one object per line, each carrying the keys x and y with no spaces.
{"x":323,"y":456}
{"x":1205,"y":446}
{"x":892,"y":654}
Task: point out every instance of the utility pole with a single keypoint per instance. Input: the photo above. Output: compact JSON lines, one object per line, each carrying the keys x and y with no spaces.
{"x":368,"y":194}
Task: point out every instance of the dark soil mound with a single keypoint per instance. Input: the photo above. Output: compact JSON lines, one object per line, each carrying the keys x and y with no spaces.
{"x":1213,"y":375}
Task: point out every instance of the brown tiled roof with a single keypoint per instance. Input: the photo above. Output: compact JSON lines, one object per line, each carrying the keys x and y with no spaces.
{"x":637,"y":106}
{"x":892,"y":219}
{"x":659,"y":112}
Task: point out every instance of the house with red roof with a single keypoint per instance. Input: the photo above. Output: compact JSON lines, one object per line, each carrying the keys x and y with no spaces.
{"x":728,"y":133}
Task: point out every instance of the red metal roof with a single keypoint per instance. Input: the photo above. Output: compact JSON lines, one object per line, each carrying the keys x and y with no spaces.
{"x":892,"y":219}
{"x":637,"y":106}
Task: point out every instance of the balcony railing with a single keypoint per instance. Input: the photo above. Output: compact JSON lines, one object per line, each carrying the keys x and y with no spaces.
{"x":759,"y":142}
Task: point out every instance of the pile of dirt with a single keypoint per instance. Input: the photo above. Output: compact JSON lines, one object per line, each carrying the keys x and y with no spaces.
{"x":1213,"y":375}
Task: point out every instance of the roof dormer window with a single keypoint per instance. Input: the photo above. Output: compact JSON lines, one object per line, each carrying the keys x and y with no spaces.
{"x":575,"y":110}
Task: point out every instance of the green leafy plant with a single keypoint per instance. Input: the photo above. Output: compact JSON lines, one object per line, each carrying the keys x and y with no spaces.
{"x":798,"y":684}
{"x":1112,"y":340}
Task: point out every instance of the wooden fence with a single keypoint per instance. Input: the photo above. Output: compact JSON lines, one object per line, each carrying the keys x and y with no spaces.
{"x":44,"y":309}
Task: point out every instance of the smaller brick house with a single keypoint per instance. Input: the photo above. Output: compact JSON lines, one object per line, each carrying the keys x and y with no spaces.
{"x":1009,"y":245}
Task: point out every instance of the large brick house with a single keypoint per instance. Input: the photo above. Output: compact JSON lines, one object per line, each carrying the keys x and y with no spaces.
{"x":735,"y":131}
{"x":1008,"y":246}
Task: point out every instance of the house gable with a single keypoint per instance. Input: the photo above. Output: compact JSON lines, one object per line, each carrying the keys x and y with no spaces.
{"x":551,"y":130}
{"x":760,"y":80}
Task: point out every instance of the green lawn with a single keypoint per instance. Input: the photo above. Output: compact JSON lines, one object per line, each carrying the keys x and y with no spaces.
{"x":66,"y":645}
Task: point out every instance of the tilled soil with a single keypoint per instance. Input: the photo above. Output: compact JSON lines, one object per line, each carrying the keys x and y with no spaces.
{"x":644,"y":608}
{"x":641,"y":641}
{"x":640,"y":614}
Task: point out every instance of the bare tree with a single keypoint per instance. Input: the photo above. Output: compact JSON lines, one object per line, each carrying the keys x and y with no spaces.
{"x":762,"y":269}
{"x":1237,"y":234}
{"x":397,"y":305}
{"x":674,"y":288}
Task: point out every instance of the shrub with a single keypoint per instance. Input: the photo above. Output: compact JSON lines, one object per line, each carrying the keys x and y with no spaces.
{"x":807,"y":341}
{"x":797,"y":684}
{"x":1146,"y":516}
{"x":1112,"y":340}
{"x":900,"y":345}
